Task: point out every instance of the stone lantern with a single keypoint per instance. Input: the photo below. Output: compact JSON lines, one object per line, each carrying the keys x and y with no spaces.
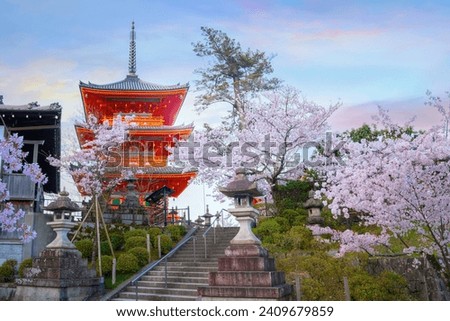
{"x":246,"y":272}
{"x":62,"y":223}
{"x":131,"y":201}
{"x":59,"y":273}
{"x":314,"y":207}
{"x":199,"y":221}
{"x":243,"y":191}
{"x":207,"y":216}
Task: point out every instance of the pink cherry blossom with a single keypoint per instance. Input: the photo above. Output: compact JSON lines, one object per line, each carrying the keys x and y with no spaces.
{"x":273,"y":144}
{"x":400,"y":185}
{"x":11,"y":220}
{"x":89,"y":164}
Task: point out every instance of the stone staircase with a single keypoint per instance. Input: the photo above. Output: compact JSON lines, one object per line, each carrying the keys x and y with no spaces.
{"x":185,"y":271}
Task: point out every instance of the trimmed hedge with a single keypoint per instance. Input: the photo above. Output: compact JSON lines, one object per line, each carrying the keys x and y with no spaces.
{"x":107,"y":263}
{"x":135,"y":241}
{"x":8,"y":271}
{"x":133,"y":233}
{"x":154,"y":232}
{"x":176,"y":232}
{"x":104,"y":248}
{"x":127,"y":263}
{"x":141,"y":254}
{"x":166,"y":244}
{"x":117,"y":241}
{"x":26,"y":264}
{"x":85,"y":246}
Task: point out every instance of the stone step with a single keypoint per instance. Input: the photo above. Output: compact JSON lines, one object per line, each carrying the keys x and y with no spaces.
{"x":184,"y":274}
{"x":131,"y":296}
{"x":171,"y":285}
{"x":179,"y":273}
{"x":190,"y":257}
{"x":156,"y":278}
{"x":180,"y":268}
{"x":198,"y":262}
{"x":144,"y":289}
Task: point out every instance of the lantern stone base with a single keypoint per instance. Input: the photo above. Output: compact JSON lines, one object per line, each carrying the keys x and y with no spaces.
{"x":246,"y":272}
{"x":58,"y":274}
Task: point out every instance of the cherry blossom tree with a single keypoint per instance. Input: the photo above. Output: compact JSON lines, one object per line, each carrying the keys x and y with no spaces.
{"x":398,"y":184}
{"x":89,"y":164}
{"x":273,"y":145}
{"x":100,"y":150}
{"x":13,"y":158}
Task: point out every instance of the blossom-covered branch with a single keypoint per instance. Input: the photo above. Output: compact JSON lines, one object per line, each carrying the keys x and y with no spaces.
{"x":88,"y":165}
{"x":11,"y":220}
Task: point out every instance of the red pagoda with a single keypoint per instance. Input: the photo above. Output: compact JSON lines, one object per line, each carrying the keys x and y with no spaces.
{"x":154,"y":109}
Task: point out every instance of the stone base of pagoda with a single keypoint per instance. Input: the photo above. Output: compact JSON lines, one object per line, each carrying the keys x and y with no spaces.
{"x":58,"y":274}
{"x":246,"y":272}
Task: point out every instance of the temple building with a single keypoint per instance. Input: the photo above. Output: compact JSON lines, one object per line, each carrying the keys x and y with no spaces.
{"x":40,"y":127}
{"x":154,"y":109}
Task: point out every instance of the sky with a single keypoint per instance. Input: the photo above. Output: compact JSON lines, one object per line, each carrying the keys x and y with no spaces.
{"x":362,"y":53}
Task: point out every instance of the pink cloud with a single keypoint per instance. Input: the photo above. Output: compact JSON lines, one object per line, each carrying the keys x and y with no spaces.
{"x":353,"y":116}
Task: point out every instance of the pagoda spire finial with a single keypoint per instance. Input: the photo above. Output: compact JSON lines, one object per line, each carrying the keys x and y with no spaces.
{"x":132,"y":58}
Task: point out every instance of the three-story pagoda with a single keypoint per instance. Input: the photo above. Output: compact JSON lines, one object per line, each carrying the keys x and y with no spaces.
{"x":154,"y":109}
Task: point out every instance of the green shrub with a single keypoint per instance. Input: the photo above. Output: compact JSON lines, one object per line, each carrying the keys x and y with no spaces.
{"x":26,"y":264}
{"x":117,"y":241}
{"x":166,"y":244}
{"x":7,"y":271}
{"x":283,"y":222}
{"x":291,"y":215}
{"x":135,"y":232}
{"x":135,"y":241}
{"x":298,"y":216}
{"x":11,"y":262}
{"x":107,"y":263}
{"x":141,"y":254}
{"x":127,"y":263}
{"x":176,"y":232}
{"x":291,"y":195}
{"x":266,"y":230}
{"x":388,"y":286}
{"x":85,"y":246}
{"x":154,"y":232}
{"x":104,"y":248}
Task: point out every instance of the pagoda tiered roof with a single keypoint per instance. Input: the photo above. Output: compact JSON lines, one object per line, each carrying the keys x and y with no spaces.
{"x":142,"y":132}
{"x":134,"y":83}
{"x":153,"y":178}
{"x":154,"y":109}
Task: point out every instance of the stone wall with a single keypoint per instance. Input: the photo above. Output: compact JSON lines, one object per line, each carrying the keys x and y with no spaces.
{"x":11,"y":247}
{"x":423,"y":281}
{"x":7,"y":291}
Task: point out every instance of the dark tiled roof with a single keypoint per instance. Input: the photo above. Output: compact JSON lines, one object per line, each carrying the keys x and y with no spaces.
{"x":132,"y":82}
{"x":63,"y":203}
{"x":31,"y":107}
{"x":163,"y":127}
{"x":157,"y":170}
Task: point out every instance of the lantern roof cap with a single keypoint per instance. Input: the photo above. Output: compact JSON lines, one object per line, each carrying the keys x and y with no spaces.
{"x":207,"y":214}
{"x":63,"y":203}
{"x":240,"y":186}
